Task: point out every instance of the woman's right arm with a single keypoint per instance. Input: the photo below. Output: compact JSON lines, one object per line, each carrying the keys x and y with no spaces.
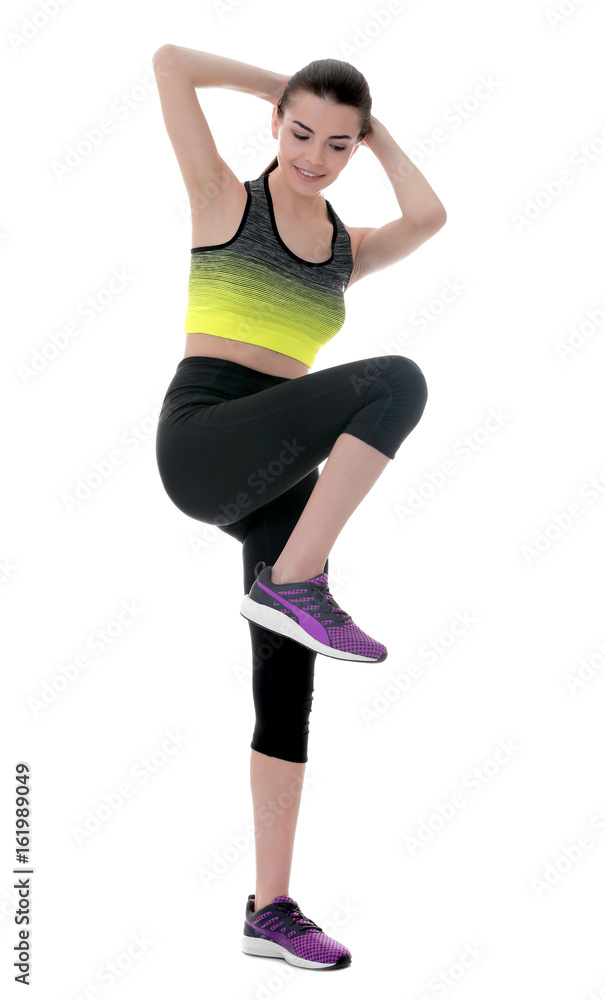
{"x":178,"y":72}
{"x":207,"y":69}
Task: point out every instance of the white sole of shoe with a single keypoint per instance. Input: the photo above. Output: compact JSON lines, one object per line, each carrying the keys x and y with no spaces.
{"x":277,"y":621}
{"x":269,"y":949}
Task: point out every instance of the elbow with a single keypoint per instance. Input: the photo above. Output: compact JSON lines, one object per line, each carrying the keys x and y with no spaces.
{"x":165,"y":52}
{"x":436,"y":218}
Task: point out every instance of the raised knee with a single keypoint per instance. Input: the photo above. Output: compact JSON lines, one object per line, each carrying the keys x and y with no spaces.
{"x":409,"y":381}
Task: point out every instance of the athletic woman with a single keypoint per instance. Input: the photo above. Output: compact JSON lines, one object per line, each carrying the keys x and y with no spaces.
{"x":244,"y":424}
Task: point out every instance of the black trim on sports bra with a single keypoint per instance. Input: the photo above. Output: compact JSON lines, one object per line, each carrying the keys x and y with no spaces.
{"x":310,"y":263}
{"x":217,"y":246}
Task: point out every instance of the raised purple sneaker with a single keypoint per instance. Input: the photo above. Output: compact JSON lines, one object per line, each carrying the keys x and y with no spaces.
{"x":307,"y":613}
{"x":280,"y":930}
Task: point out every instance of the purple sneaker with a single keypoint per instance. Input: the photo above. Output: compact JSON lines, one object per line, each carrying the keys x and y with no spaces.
{"x":307,"y":613}
{"x":280,"y":930}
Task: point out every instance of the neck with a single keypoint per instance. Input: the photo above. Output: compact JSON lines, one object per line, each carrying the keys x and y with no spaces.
{"x":295,"y":204}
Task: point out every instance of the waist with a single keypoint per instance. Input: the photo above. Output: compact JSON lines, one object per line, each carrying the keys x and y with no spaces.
{"x":204,"y":381}
{"x":202,"y":366}
{"x":255,"y":356}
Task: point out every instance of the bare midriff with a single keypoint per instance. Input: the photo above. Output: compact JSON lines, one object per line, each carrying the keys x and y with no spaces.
{"x":262,"y":359}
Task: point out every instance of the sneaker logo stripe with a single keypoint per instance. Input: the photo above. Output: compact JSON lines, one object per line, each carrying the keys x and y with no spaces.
{"x":310,"y":624}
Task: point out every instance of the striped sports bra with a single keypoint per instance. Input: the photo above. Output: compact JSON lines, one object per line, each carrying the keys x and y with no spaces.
{"x":253,"y":288}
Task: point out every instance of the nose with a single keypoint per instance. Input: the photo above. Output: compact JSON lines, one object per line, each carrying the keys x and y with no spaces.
{"x":315,"y":160}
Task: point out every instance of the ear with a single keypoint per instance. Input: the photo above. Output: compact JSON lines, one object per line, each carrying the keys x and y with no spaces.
{"x":274,"y":122}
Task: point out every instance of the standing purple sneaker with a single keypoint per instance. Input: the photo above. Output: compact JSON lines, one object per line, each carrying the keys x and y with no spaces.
{"x":307,"y":613}
{"x":280,"y":930}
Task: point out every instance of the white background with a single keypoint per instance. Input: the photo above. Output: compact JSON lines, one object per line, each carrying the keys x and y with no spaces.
{"x":490,"y":541}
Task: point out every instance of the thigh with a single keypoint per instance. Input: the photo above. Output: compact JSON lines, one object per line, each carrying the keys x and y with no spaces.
{"x":227,"y":460}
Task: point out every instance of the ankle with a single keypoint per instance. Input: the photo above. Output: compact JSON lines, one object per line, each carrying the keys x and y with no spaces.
{"x":281,"y":575}
{"x":260,"y":903}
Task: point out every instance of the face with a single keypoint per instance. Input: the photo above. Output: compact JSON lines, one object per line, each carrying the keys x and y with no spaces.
{"x":314,"y":148}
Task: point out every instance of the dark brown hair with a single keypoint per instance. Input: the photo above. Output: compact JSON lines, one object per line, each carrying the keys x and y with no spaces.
{"x":333,"y":80}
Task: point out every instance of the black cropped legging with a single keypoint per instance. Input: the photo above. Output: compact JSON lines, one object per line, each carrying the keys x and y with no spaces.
{"x":240,"y":449}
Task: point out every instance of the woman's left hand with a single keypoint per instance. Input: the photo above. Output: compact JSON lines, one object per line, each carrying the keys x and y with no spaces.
{"x":368,"y":136}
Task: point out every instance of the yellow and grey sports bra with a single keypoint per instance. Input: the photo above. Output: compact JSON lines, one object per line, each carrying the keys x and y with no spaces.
{"x":252,"y":288}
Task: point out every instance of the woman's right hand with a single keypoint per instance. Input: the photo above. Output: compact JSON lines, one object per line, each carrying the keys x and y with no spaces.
{"x":278,"y":89}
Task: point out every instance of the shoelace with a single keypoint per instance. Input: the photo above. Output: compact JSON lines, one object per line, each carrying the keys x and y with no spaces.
{"x":334,"y":608}
{"x":293,"y":911}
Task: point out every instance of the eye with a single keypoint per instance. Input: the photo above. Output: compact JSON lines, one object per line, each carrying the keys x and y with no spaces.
{"x":296,"y":136}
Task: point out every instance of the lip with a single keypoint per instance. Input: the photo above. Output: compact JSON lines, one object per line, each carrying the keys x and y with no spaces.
{"x":309,"y":180}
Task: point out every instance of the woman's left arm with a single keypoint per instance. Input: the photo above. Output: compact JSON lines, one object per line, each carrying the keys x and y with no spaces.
{"x":422,"y":214}
{"x":417,"y":200}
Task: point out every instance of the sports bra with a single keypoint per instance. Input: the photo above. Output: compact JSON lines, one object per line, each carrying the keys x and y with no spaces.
{"x":253,"y":288}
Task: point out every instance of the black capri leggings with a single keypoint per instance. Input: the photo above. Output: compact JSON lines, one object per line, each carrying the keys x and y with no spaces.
{"x":240,"y":449}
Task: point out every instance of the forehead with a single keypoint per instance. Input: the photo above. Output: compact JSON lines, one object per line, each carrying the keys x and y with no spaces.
{"x":322,"y":115}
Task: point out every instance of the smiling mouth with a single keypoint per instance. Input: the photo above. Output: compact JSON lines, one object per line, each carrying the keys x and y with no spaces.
{"x":307,"y":173}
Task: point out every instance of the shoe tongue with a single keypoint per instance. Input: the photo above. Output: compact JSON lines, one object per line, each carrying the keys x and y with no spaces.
{"x":322,"y":578}
{"x":283,"y":899}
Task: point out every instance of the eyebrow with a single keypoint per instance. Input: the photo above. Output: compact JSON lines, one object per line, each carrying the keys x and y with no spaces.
{"x":295,"y":122}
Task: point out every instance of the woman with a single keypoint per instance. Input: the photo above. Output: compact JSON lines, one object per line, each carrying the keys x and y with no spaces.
{"x":244,"y":426}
